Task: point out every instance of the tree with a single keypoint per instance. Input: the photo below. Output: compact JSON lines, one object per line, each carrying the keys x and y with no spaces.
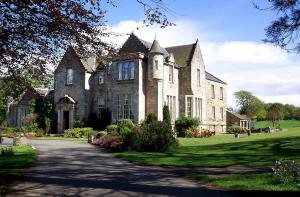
{"x":289,"y":112}
{"x":34,"y":33}
{"x":284,"y":31}
{"x":44,"y":109}
{"x":249,"y":104}
{"x":3,"y":107}
{"x":297,"y":113}
{"x":275,"y":113}
{"x":167,"y":116}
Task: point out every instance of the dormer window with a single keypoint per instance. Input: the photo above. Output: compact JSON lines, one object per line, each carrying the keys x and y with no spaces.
{"x":126,"y":71}
{"x":101,"y":77}
{"x":69,"y":76}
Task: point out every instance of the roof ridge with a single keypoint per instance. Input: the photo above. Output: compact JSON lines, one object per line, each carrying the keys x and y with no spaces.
{"x":180,"y":45}
{"x":215,"y":77}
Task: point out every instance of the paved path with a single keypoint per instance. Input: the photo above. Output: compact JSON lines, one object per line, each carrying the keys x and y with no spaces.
{"x":67,"y":168}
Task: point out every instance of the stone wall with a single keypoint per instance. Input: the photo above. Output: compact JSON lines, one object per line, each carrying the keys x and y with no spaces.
{"x":77,"y":90}
{"x":216,"y":124}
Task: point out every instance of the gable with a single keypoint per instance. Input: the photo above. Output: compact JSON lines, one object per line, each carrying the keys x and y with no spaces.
{"x":87,"y":64}
{"x":183,"y":54}
{"x":133,"y":45}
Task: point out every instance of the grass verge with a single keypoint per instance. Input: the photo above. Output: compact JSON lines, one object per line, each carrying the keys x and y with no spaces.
{"x":246,"y":182}
{"x":224,"y":150}
{"x":12,"y":165}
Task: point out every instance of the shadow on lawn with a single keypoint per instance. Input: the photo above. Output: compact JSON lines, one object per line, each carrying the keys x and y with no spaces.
{"x":251,"y":153}
{"x":88,"y":171}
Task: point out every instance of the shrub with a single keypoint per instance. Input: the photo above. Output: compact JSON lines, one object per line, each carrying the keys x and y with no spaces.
{"x":77,"y":132}
{"x":126,"y":123}
{"x":183,"y":123}
{"x":287,"y":172}
{"x":39,"y":132}
{"x":152,"y":117}
{"x":190,"y":132}
{"x":6,"y":151}
{"x":166,"y":115}
{"x":112,"y":128}
{"x":235,"y":130}
{"x":78,"y":124}
{"x":155,"y":136}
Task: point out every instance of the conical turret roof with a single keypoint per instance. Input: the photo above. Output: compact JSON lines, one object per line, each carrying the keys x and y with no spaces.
{"x":155,"y":48}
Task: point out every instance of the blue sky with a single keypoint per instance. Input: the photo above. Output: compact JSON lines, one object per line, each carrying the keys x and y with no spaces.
{"x":226,"y":19}
{"x":230,"y":34}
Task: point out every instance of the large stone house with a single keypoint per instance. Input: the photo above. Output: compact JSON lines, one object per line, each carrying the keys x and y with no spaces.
{"x":141,"y":79}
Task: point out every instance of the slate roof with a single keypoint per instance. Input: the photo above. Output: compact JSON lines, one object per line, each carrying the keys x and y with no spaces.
{"x":134,"y":44}
{"x":88,"y":66}
{"x":155,"y":48}
{"x":182,"y":54}
{"x":239,"y":116}
{"x":210,"y":77}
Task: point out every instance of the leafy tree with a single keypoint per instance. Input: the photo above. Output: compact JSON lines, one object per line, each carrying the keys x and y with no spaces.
{"x":289,"y":112}
{"x":284,"y":31}
{"x":3,"y":107}
{"x":275,"y":113}
{"x":44,"y":108}
{"x":297,"y":113}
{"x":249,"y":104}
{"x":167,"y":116}
{"x":35,"y":32}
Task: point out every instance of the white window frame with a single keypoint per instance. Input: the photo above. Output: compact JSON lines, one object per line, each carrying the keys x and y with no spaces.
{"x":221,"y":93}
{"x":189,"y":112}
{"x":198,"y":108}
{"x":101,"y":78}
{"x":222,"y":113}
{"x":213,"y":111}
{"x":124,"y":107}
{"x":132,"y":70}
{"x":100,"y":105}
{"x":120,"y":71}
{"x":213,"y":93}
{"x":171,"y":103}
{"x":70,"y":76}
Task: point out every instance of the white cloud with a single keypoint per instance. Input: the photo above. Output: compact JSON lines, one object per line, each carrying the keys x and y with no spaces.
{"x":267,"y":71}
{"x":184,"y":32}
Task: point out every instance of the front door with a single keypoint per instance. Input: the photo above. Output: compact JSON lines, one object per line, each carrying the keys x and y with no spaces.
{"x":66,"y":121}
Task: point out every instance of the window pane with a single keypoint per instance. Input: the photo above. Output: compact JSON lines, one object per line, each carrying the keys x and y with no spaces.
{"x":69,"y":76}
{"x":221,"y":93}
{"x":132,"y":68}
{"x":120,"y":71}
{"x":212,"y":91}
{"x":189,"y":106}
{"x":125,"y":71}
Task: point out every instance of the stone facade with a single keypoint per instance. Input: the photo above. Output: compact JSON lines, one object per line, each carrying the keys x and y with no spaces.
{"x":141,"y":79}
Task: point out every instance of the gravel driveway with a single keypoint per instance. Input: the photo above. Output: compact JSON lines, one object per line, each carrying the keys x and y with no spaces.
{"x":67,"y":168}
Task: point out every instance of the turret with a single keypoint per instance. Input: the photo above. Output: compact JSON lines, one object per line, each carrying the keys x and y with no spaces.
{"x":155,"y":61}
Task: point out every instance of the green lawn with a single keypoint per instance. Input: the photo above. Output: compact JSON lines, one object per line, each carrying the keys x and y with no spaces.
{"x":250,"y":182}
{"x":10,"y":166}
{"x":283,"y":124}
{"x":225,"y":150}
{"x":60,"y":138}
